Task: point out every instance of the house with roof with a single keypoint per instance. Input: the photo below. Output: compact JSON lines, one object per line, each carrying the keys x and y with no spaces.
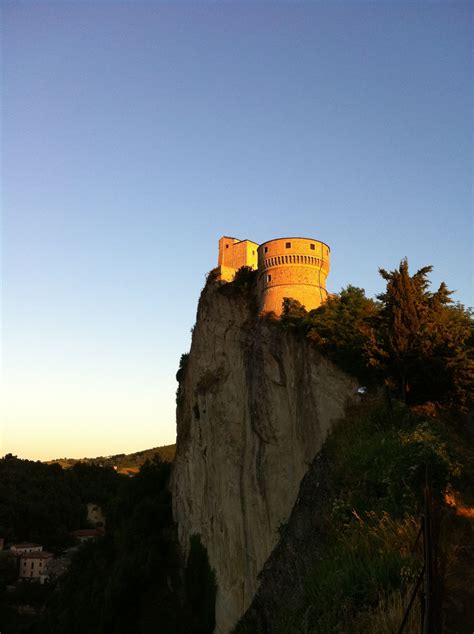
{"x":25,"y":547}
{"x":87,"y":534}
{"x":33,"y":566}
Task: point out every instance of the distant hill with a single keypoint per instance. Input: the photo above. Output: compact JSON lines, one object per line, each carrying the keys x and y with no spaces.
{"x":127,"y":464}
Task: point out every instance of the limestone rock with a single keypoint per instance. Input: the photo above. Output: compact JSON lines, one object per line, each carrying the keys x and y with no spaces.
{"x":255,"y":405}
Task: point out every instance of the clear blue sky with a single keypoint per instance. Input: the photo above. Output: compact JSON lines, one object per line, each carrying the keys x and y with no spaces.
{"x":136,"y":134}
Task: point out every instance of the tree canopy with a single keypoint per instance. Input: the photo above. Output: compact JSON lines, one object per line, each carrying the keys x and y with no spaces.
{"x":420,"y":343}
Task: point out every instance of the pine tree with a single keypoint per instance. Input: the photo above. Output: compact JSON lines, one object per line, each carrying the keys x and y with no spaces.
{"x":422,"y":343}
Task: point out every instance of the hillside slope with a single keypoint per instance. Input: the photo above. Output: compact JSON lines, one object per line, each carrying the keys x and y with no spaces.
{"x":349,"y":554}
{"x":125,"y":463}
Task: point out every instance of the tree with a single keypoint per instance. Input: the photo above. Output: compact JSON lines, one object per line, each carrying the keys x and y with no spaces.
{"x":294,"y":315}
{"x":342,"y":326}
{"x":421,"y":342}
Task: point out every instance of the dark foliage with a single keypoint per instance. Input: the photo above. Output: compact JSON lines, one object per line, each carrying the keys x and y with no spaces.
{"x":355,"y":524}
{"x":340,"y":328}
{"x":183,"y":362}
{"x":245,"y":277}
{"x":421,"y":342}
{"x":43,"y":503}
{"x":418,"y":343}
{"x":243,"y":285}
{"x":131,"y":581}
{"x":180,"y":374}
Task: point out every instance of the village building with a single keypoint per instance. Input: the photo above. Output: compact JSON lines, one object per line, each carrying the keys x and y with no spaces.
{"x":25,"y":547}
{"x":33,"y":566}
{"x":87,"y":534}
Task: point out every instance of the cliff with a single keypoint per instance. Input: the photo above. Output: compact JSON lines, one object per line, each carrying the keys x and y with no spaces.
{"x":255,"y":403}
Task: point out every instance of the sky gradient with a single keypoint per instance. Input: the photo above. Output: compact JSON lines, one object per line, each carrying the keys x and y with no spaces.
{"x":136,"y":134}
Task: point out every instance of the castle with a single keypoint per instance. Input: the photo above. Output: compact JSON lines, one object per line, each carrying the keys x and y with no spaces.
{"x":287,"y":267}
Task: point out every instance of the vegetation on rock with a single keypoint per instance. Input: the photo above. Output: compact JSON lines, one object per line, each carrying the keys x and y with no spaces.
{"x":363,"y":514}
{"x":418,"y":343}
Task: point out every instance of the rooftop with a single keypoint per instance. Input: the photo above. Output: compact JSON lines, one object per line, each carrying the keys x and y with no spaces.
{"x":42,"y":554}
{"x":87,"y":532}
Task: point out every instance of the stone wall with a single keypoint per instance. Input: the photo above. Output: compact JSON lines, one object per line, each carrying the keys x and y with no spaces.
{"x":292,"y":267}
{"x":233,"y":254}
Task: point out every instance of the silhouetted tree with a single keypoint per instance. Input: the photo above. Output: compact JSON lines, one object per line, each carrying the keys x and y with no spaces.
{"x":421,"y":342}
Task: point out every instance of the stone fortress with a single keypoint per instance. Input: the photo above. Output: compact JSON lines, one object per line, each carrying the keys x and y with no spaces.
{"x":287,"y":267}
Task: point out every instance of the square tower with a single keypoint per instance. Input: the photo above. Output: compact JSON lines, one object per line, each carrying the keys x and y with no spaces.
{"x":233,"y":254}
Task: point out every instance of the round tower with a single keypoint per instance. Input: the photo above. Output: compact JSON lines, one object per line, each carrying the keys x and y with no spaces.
{"x":292,"y":267}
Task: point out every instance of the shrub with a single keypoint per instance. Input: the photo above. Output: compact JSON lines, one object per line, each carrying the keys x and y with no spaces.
{"x":180,"y":374}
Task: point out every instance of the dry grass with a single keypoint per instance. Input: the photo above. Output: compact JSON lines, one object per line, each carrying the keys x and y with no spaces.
{"x":387,"y":617}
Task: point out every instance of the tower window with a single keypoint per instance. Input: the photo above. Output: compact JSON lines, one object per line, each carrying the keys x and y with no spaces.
{"x":226,"y":246}
{"x":266,"y":249}
{"x":288,"y":245}
{"x":269,"y":278}
{"x":312,"y":247}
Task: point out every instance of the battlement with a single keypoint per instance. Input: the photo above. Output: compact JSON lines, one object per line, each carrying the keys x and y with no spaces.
{"x":287,"y":267}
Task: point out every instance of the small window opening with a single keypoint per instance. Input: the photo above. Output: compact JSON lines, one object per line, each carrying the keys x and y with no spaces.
{"x":269,"y":278}
{"x":312,"y":247}
{"x":266,"y":249}
{"x":288,"y":245}
{"x":226,"y":246}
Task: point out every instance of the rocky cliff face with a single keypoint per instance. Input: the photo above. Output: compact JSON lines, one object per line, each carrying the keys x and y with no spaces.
{"x":255,"y":404}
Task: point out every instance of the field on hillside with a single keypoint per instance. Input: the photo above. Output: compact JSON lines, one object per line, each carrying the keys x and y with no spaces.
{"x":127,"y":464}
